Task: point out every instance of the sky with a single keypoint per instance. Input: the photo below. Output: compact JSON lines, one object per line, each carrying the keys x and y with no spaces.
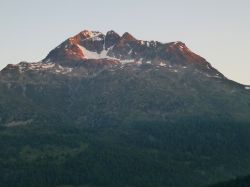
{"x":218,"y":30}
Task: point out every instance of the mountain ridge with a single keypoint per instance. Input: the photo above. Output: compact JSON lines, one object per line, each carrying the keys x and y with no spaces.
{"x":102,"y":51}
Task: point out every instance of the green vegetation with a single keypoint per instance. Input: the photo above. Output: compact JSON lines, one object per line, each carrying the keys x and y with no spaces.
{"x":134,"y":154}
{"x":142,"y":129}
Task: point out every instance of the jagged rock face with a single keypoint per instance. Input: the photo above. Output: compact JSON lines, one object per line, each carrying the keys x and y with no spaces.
{"x":111,"y":39}
{"x":125,"y":49}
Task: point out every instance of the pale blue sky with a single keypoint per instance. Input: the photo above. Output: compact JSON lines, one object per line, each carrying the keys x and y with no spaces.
{"x":218,"y":30}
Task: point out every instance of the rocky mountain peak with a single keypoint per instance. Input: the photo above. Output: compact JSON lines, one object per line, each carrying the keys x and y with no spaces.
{"x":111,"y":39}
{"x":128,"y":37}
{"x":98,"y":50}
{"x":86,"y":34}
{"x":112,"y":33}
{"x":93,"y":44}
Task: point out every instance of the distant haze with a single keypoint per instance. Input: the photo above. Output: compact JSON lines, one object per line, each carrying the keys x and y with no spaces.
{"x":218,"y":30}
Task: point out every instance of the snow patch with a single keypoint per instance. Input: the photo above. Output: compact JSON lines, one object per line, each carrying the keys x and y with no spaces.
{"x":103,"y":55}
{"x":181,"y":48}
{"x":94,"y":55}
{"x":97,"y":38}
{"x":247,"y":87}
{"x":127,"y":61}
{"x":64,"y":70}
{"x":215,"y":76}
{"x":163,"y":64}
{"x":40,"y":66}
{"x":35,"y":66}
{"x":138,"y":62}
{"x":47,"y":66}
{"x":142,"y":42}
{"x":154,"y":43}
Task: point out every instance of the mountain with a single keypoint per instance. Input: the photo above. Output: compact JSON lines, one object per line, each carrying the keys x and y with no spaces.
{"x":89,"y":52}
{"x":109,"y":110}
